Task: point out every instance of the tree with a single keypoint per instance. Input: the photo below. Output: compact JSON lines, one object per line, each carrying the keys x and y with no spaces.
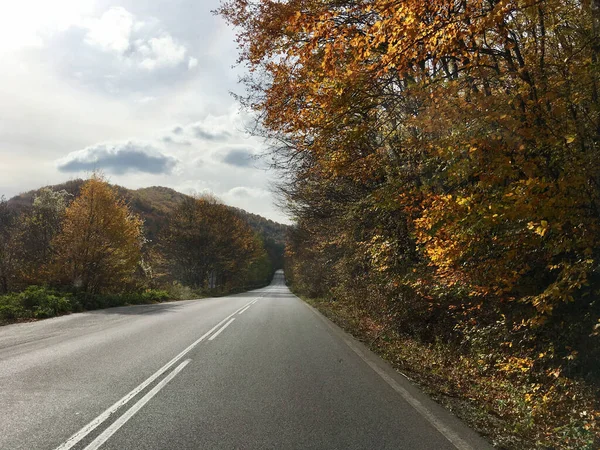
{"x":207,"y":245}
{"x":440,"y":158}
{"x":8,"y":246}
{"x":38,"y":228}
{"x":477,"y":122}
{"x":99,"y":246}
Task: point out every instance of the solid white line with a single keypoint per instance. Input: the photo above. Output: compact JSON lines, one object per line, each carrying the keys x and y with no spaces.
{"x":246,"y":308}
{"x":106,"y":434}
{"x":254,"y":302}
{"x":220,"y":330}
{"x":73,"y":440}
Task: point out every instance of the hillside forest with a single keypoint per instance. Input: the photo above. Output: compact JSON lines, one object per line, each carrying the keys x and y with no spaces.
{"x":87,"y":244}
{"x":442,"y":164}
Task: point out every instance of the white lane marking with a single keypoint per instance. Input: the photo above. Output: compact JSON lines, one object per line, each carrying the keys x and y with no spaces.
{"x":221,"y":330}
{"x":106,"y":434}
{"x":73,"y":440}
{"x":254,"y":302}
{"x":242,"y":311}
{"x":439,"y":425}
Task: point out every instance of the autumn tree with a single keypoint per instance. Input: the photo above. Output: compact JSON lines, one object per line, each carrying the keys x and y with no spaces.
{"x":206,"y":245}
{"x":440,"y":160}
{"x":99,"y":246}
{"x":476,"y":122}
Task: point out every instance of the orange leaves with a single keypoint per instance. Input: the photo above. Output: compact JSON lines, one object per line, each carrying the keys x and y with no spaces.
{"x":99,"y":246}
{"x":515,"y":364}
{"x":478,"y":117}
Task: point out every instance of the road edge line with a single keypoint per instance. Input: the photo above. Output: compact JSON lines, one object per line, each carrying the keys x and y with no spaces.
{"x":425,"y":412}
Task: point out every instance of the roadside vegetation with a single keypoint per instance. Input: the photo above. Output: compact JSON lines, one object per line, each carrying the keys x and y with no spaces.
{"x":441,"y":161}
{"x":64,"y":252}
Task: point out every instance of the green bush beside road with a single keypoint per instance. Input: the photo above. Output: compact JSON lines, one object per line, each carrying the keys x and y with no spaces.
{"x":38,"y":302}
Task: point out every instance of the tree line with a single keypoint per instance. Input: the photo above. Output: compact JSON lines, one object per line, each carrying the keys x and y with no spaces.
{"x":69,"y":252}
{"x":441,"y":163}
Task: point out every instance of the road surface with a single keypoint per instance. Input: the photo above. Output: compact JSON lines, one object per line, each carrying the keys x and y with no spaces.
{"x":258,"y":370}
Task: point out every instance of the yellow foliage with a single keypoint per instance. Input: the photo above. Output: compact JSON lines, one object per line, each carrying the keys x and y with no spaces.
{"x":99,"y":246}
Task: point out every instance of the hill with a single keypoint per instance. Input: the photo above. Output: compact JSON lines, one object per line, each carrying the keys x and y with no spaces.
{"x":155,"y":203}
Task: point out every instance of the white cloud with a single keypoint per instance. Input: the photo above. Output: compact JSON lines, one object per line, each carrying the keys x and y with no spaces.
{"x":192,"y":63}
{"x":141,"y":43}
{"x":26,"y":23}
{"x":161,"y":52}
{"x":147,"y":99}
{"x":242,"y":192}
{"x":215,"y":128}
{"x":111,"y":32}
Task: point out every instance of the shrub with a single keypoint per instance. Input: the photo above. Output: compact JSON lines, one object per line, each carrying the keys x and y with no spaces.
{"x":147,"y":296}
{"x":40,"y":302}
{"x":44,"y":302}
{"x":37,"y":302}
{"x":99,"y":301}
{"x":11,"y":308}
{"x":178,"y":291}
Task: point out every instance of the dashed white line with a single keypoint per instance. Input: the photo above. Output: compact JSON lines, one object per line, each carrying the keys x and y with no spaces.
{"x":78,"y":436}
{"x":106,"y":434}
{"x":221,"y":329}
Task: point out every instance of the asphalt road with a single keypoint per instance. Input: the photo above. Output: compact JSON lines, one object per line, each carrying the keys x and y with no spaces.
{"x":258,"y":370}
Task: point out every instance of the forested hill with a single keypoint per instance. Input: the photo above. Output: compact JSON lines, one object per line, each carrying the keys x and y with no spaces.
{"x":155,"y":203}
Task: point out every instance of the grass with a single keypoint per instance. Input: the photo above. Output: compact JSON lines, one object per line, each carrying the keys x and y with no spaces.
{"x":503,"y":400}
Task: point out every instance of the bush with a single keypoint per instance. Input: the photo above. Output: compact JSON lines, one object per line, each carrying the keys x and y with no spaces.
{"x":99,"y":301}
{"x":43,"y":302}
{"x":11,"y":308}
{"x":147,"y":296}
{"x":35,"y":302}
{"x":178,"y":291}
{"x":40,"y":302}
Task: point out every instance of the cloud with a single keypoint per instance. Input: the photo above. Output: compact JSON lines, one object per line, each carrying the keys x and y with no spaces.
{"x":170,"y":140}
{"x":141,"y":43}
{"x":239,"y":157}
{"x":209,"y":130}
{"x":192,"y":62}
{"x":67,"y":53}
{"x":160,"y":52}
{"x":200,"y":131}
{"x":248,"y":192}
{"x":119,"y":158}
{"x":111,"y":32}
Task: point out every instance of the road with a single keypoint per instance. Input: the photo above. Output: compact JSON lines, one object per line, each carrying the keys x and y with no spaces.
{"x":257,"y":370}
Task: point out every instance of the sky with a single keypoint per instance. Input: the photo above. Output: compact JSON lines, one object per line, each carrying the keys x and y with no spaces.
{"x":138,"y":89}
